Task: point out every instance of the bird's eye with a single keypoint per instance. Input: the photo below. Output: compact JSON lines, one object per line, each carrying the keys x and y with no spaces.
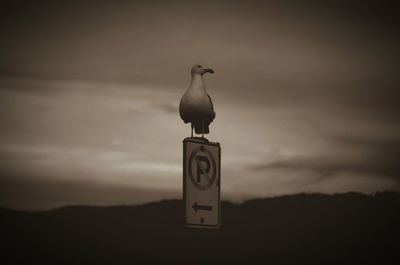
{"x":199,"y":66}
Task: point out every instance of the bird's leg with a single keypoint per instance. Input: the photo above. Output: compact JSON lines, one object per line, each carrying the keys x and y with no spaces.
{"x":192,"y":129}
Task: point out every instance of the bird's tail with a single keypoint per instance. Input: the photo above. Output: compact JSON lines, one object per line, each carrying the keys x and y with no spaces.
{"x":198,"y":127}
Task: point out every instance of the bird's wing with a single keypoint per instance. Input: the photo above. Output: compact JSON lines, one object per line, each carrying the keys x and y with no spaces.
{"x":212,"y":114}
{"x":212,"y":105}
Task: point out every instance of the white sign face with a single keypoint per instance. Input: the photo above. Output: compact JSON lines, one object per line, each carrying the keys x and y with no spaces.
{"x":201,"y":182}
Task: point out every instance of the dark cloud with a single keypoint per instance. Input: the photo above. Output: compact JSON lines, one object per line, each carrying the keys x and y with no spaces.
{"x":140,"y":41}
{"x":369,"y":157}
{"x":169,"y":107}
{"x":331,"y":166}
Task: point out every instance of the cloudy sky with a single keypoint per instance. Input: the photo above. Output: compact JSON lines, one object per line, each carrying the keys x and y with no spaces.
{"x":306,"y":97}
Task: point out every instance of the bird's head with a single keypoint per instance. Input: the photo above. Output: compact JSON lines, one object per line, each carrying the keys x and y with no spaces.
{"x":200,"y":69}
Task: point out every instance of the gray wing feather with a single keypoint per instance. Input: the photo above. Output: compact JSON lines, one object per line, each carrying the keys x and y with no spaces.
{"x":212,"y":115}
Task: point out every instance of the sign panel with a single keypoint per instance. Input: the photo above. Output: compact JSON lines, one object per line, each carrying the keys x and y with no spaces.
{"x":201,"y":182}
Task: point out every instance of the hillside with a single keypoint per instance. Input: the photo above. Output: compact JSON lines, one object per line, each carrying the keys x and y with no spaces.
{"x":297,"y":229}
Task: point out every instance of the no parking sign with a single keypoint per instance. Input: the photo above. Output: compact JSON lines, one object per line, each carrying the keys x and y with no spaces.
{"x":201,"y":182}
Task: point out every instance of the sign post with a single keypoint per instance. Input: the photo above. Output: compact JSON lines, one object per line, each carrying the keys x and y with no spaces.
{"x":201,"y":182}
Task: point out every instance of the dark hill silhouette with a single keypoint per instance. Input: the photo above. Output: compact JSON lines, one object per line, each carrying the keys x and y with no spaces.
{"x":346,"y":228}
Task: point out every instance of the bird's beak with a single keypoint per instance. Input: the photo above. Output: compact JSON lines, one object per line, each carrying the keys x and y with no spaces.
{"x":209,"y":70}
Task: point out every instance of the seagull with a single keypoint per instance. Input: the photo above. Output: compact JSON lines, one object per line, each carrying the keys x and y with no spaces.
{"x":196,"y":106}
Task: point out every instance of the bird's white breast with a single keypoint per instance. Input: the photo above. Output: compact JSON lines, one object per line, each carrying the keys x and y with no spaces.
{"x":195,"y":101}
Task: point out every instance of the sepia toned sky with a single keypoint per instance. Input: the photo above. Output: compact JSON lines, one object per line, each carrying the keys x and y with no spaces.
{"x":306,"y":97}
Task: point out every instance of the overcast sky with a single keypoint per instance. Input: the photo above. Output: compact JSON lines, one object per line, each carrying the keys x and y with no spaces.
{"x":306,"y":97}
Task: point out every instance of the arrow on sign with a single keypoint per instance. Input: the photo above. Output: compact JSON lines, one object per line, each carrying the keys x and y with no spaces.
{"x":197,"y":207}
